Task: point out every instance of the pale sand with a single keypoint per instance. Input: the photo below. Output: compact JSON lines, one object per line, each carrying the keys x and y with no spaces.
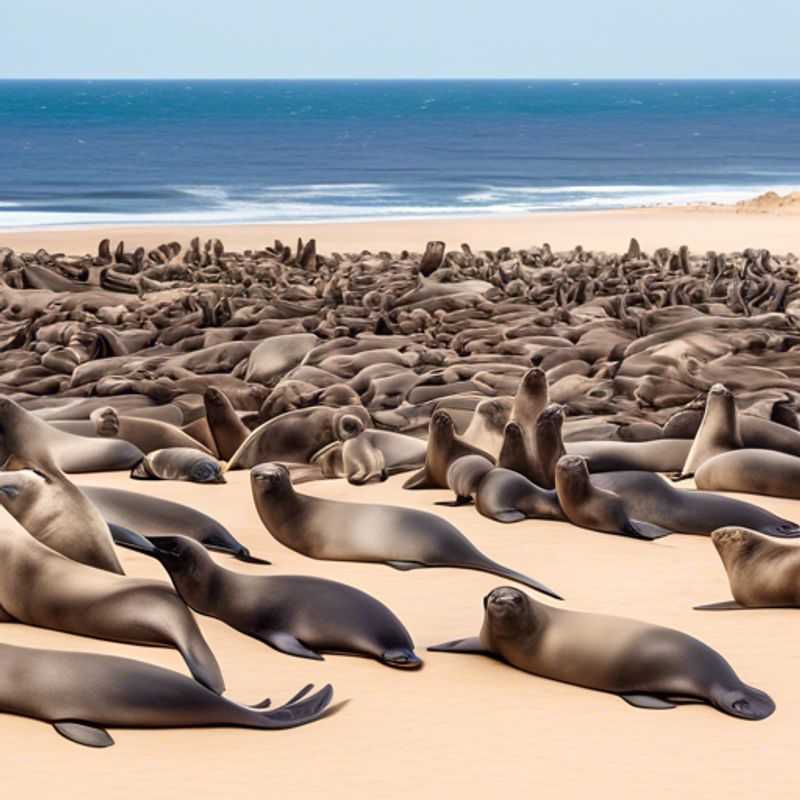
{"x":701,"y":228}
{"x":464,"y":726}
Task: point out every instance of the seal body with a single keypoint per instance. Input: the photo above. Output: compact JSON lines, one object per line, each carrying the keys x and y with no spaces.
{"x":179,"y":464}
{"x":647,"y":665}
{"x":753,"y":471}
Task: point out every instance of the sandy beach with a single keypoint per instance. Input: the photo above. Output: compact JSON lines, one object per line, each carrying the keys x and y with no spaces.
{"x":700,"y":227}
{"x":464,"y":726}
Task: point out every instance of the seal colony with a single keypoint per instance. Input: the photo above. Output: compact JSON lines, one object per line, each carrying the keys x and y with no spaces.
{"x":536,"y":385}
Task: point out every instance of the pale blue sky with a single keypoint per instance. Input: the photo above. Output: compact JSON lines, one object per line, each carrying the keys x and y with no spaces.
{"x":402,"y":39}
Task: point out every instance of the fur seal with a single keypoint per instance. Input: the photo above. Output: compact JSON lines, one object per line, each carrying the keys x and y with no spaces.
{"x":485,"y":430}
{"x":23,"y":434}
{"x":649,"y":497}
{"x":227,"y":429}
{"x":765,"y":472}
{"x":530,"y":400}
{"x":659,"y":455}
{"x":718,"y":432}
{"x":41,"y":587}
{"x":444,"y":447}
{"x":81,"y":694}
{"x":179,"y":464}
{"x":403,"y":538}
{"x":587,"y":506}
{"x":647,"y":665}
{"x":55,"y":511}
{"x":506,"y":496}
{"x":152,"y":516}
{"x":762,"y":573}
{"x":297,"y":615}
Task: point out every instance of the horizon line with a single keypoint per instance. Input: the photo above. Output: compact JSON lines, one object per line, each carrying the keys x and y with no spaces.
{"x":404,"y":79}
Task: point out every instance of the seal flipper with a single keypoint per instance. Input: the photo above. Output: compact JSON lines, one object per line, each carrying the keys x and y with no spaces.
{"x":401,"y":657}
{"x":745,"y":702}
{"x":511,"y":515}
{"x":725,"y":605}
{"x":404,"y":566}
{"x":123,"y":537}
{"x":244,"y":555}
{"x":298,"y":713}
{"x":420,"y":480}
{"x":286,"y":643}
{"x":84,"y":733}
{"x":648,"y":701}
{"x":639,"y":529}
{"x":459,"y":501}
{"x":470,"y":645}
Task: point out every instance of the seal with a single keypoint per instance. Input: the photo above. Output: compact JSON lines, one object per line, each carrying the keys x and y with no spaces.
{"x":506,"y":496}
{"x":297,"y":615}
{"x":41,"y":587}
{"x":485,"y":430}
{"x":152,"y":516}
{"x":179,"y":464}
{"x":403,"y":538}
{"x":753,"y":471}
{"x":444,"y":447}
{"x":54,"y":511}
{"x":227,"y":429}
{"x":658,"y":455}
{"x":464,"y":476}
{"x":24,"y":434}
{"x":718,"y":433}
{"x":648,"y":666}
{"x":587,"y":506}
{"x":649,"y":497}
{"x":82,"y":694}
{"x":762,"y":573}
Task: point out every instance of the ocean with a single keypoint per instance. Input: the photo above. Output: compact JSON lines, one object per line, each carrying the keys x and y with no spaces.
{"x":108,"y":152}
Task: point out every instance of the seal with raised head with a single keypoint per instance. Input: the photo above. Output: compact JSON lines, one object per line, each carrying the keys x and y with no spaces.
{"x":485,"y":430}
{"x":82,"y":694}
{"x":55,"y":511}
{"x":403,"y":538}
{"x":226,"y":427}
{"x":179,"y":464}
{"x":444,"y":447}
{"x":651,"y":498}
{"x":587,"y":506}
{"x":152,"y":516}
{"x":718,"y":433}
{"x":531,"y":398}
{"x":298,"y":615}
{"x":753,"y":471}
{"x":647,"y":665}
{"x":41,"y":587}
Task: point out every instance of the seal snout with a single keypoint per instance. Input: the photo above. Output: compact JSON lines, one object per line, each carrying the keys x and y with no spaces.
{"x":729,"y":537}
{"x":719,"y":389}
{"x":503,"y":600}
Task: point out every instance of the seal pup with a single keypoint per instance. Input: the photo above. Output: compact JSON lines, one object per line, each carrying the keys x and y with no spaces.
{"x":766,"y":472}
{"x":55,"y":512}
{"x":403,"y":538}
{"x":226,"y":427}
{"x":152,"y":516}
{"x":651,"y":498}
{"x":587,"y":506}
{"x":444,"y":447}
{"x":762,"y":573}
{"x":718,"y":433}
{"x":297,"y":615}
{"x":647,"y":665}
{"x":41,"y":587}
{"x":179,"y":464}
{"x":81,"y":694}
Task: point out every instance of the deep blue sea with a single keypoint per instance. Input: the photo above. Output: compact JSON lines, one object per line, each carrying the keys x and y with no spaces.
{"x":95,"y":152}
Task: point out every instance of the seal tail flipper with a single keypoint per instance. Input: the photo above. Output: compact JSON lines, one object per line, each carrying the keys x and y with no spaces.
{"x":286,"y":643}
{"x":201,"y":661}
{"x":401,"y":657}
{"x":84,"y":733}
{"x":244,"y":555}
{"x":725,"y":605}
{"x":470,"y":645}
{"x":420,"y":480}
{"x":646,"y":701}
{"x":638,"y":529}
{"x":298,"y":713}
{"x":123,"y":537}
{"x":745,"y":702}
{"x":505,"y":572}
{"x":512,"y":515}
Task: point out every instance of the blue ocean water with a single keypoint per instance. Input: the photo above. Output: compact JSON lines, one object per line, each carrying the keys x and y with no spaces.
{"x":94,"y":152}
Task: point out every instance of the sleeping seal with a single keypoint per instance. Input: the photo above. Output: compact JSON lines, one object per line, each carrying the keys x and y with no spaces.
{"x":762,"y":573}
{"x":152,"y":516}
{"x":41,"y":587}
{"x":80,"y":694}
{"x":753,"y":471}
{"x":647,"y":665}
{"x":403,"y":538}
{"x":597,"y":509}
{"x":297,"y":615}
{"x":179,"y":464}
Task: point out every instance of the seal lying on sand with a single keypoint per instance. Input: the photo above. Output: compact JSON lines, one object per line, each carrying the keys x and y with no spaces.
{"x":297,"y":615}
{"x":754,"y":471}
{"x":647,"y":665}
{"x":179,"y":464}
{"x":80,"y":694}
{"x":403,"y":538}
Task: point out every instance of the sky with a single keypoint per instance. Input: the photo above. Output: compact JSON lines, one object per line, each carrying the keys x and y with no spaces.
{"x":399,"y":39}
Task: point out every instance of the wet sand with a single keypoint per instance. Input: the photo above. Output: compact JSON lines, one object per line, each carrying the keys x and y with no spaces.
{"x":464,"y":726}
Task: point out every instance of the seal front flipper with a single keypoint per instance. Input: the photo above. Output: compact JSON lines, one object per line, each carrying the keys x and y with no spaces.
{"x":512,"y":515}
{"x":459,"y":501}
{"x":646,"y":701}
{"x":470,"y":645}
{"x":85,"y":734}
{"x":286,"y":643}
{"x":644,"y":530}
{"x":725,"y":605}
{"x":420,"y":480}
{"x":123,"y":537}
{"x":401,"y":657}
{"x":404,"y":566}
{"x":745,"y":702}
